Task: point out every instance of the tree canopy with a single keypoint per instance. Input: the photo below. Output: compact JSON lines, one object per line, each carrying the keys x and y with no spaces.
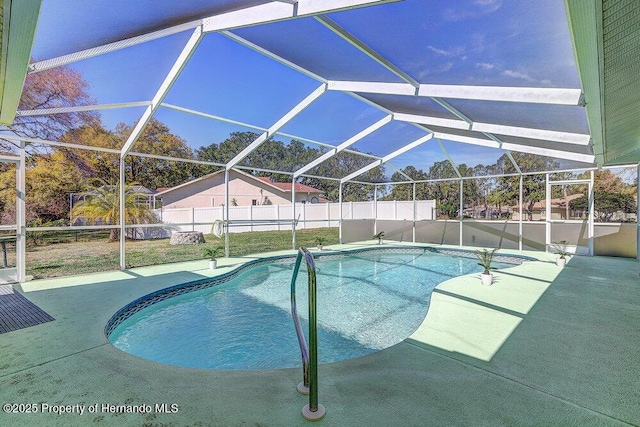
{"x":276,"y":155}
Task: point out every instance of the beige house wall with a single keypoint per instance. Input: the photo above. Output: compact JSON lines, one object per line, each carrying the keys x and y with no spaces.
{"x":209,"y":192}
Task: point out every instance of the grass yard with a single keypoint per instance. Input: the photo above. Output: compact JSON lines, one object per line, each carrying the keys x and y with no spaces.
{"x":53,"y":257}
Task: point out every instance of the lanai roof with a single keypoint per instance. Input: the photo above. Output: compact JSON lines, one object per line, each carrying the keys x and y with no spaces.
{"x":411,"y":82}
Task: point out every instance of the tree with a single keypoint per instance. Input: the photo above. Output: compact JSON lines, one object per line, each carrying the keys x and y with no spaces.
{"x":606,"y":204}
{"x":405,"y":191}
{"x":53,"y":88}
{"x":102,"y":206}
{"x":611,"y":195}
{"x":533,"y":186}
{"x":275,"y":155}
{"x":50,"y":180}
{"x":153,"y":173}
{"x":339,"y":166}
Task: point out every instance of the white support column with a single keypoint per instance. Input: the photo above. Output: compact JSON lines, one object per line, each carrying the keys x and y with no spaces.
{"x":415,"y":206}
{"x":375,"y":209}
{"x":520,"y":227}
{"x":121,"y":199}
{"x":293,"y":213}
{"x":547,"y":239}
{"x":592,"y":214}
{"x":226,"y":212}
{"x":21,"y":223}
{"x":461,"y":208}
{"x":340,"y":210}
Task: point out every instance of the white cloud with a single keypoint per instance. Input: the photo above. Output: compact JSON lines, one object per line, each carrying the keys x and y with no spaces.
{"x":485,"y":66}
{"x":438,"y":51}
{"x":456,"y":51}
{"x":442,"y":68}
{"x":517,"y":75}
{"x":478,"y":8}
{"x":489,"y":4}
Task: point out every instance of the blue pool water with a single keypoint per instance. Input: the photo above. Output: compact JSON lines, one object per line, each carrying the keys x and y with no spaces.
{"x":366,"y":302}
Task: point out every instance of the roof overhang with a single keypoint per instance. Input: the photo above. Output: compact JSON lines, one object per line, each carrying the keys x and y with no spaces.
{"x":606,"y":40}
{"x":18,"y":19}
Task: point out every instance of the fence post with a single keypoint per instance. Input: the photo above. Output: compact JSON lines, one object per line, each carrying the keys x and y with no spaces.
{"x":193,"y":219}
{"x":250,"y":217}
{"x":329,"y":214}
{"x":304,"y":216}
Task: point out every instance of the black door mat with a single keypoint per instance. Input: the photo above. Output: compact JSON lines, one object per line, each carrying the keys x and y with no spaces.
{"x":17,"y":312}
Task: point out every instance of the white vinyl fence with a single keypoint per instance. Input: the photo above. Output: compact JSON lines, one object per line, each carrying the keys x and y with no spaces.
{"x":280,"y":217}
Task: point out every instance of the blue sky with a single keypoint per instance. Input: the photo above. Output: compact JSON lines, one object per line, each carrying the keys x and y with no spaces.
{"x":472,"y":42}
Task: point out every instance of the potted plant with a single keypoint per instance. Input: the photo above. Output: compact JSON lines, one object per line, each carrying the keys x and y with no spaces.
{"x":486,"y":257}
{"x":379,"y":236}
{"x":212,"y":253}
{"x":320,"y":241}
{"x":561,"y":249}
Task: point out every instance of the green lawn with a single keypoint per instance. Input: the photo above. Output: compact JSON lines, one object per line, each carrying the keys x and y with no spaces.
{"x":91,"y":252}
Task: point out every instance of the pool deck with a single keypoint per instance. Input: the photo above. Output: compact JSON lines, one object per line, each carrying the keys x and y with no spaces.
{"x":542,"y":346}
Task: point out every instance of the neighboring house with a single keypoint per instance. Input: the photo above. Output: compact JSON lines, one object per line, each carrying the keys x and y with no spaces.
{"x":244,"y":190}
{"x":559,"y":210}
{"x":491,"y":212}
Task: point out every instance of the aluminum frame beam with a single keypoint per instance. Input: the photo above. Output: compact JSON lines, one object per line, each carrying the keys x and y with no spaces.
{"x":110,"y":47}
{"x":531,"y":133}
{"x":262,"y":129}
{"x":349,"y":142}
{"x":280,"y":11}
{"x":251,"y":16}
{"x":388,"y":157}
{"x":279,"y":124}
{"x":364,"y":48}
{"x":586,"y":158}
{"x":533,"y":95}
{"x":79,"y":108}
{"x":166,"y":85}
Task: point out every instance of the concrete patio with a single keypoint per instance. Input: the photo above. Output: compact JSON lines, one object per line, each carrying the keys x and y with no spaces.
{"x":542,"y":346}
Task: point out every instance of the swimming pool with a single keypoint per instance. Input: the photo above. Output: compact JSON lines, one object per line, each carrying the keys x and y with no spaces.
{"x":367,"y":301}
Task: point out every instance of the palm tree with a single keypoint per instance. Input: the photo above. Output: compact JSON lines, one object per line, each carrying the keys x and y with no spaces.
{"x":102,"y":206}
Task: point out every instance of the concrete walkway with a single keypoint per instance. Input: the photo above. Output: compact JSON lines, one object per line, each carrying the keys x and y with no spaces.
{"x":542,"y":346}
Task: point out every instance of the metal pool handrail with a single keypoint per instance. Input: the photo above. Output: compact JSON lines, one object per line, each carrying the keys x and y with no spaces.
{"x":313,"y":411}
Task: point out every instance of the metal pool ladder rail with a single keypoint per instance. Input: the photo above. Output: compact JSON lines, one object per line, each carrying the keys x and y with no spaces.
{"x":313,"y":411}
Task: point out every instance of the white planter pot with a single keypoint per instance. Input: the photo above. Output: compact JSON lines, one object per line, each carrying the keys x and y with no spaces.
{"x":487,"y":279}
{"x":379,"y":241}
{"x":213,"y":263}
{"x":320,"y":247}
{"x":560,"y":262}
